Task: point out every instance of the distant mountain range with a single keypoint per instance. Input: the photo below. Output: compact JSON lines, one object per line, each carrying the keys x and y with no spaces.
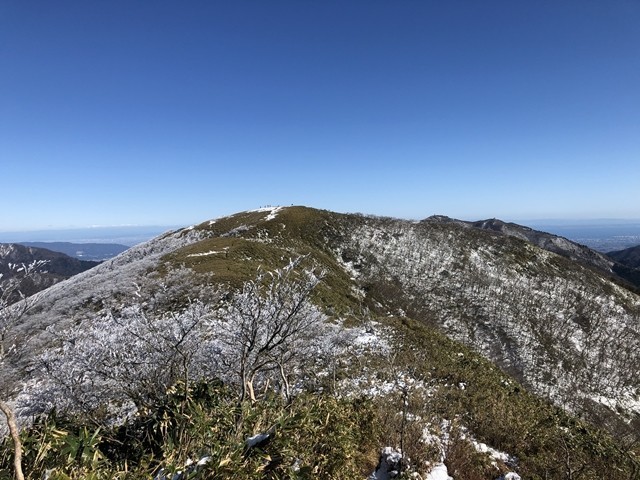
{"x":58,"y":266}
{"x":617,"y":265}
{"x":83,"y":251}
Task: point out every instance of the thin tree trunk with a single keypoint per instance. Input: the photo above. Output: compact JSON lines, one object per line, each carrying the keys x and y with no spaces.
{"x":15,"y":435}
{"x":252,"y":395}
{"x":285,"y":383}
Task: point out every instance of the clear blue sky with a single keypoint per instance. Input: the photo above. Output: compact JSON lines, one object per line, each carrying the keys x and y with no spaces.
{"x":167,"y":112}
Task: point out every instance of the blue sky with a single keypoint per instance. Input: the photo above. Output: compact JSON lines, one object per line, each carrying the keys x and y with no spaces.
{"x":170,"y":113}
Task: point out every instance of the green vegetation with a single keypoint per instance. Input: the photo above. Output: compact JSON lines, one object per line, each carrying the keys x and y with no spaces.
{"x":323,"y":435}
{"x":230,"y":259}
{"x":320,"y":435}
{"x":478,"y":401}
{"x":315,"y":436}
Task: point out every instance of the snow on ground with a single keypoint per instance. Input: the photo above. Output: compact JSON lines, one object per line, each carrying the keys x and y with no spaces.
{"x":190,"y":469}
{"x":364,"y":386}
{"x":273,"y":214}
{"x":348,"y":266}
{"x":510,"y":476}
{"x":371,"y":340}
{"x":368,"y":338}
{"x":629,"y":401}
{"x":388,"y":465}
{"x":210,"y":252}
{"x":273,"y":211}
{"x":493,"y":453}
{"x":440,"y":437}
{"x":439,"y":472}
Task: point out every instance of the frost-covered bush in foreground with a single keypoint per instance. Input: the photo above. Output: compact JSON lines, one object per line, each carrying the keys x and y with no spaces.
{"x":122,"y":361}
{"x":270,"y":329}
{"x":128,"y":358}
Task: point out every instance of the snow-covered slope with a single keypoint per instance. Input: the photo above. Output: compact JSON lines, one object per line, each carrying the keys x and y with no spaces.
{"x":80,"y":296}
{"x":565,"y":331}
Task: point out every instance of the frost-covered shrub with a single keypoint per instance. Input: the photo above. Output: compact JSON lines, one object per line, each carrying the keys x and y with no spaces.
{"x":123,"y":360}
{"x":264,"y":337}
{"x":270,"y":330}
{"x":565,"y":332}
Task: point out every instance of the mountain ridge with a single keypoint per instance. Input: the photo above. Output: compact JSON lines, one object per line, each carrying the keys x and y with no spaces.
{"x":628,"y":256}
{"x":604,"y":263}
{"x":545,"y":319}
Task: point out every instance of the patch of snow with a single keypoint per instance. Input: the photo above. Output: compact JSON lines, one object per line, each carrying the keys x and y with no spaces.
{"x":370,"y":337}
{"x":349,"y":266}
{"x":369,"y":385}
{"x":493,"y":453}
{"x":367,"y":338}
{"x":364,"y":387}
{"x":191,"y":469}
{"x":263,"y":209}
{"x":628,"y":401}
{"x":273,"y":211}
{"x":510,"y":476}
{"x":210,"y":252}
{"x":439,"y":472}
{"x":273,"y":214}
{"x":350,"y":269}
{"x":236,"y":231}
{"x":388,"y":465}
{"x":441,"y":440}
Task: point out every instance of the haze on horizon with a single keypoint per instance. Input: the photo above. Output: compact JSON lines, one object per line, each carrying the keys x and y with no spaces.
{"x":158,"y":113}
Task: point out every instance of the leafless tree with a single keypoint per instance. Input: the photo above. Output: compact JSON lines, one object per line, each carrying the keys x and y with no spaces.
{"x":132,"y":355}
{"x":15,"y":435}
{"x":262,"y":337}
{"x":268,"y":328}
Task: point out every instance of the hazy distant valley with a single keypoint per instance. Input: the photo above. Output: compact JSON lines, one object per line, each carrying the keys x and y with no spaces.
{"x":96,"y":252}
{"x":603,"y":236}
{"x":484,"y":349}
